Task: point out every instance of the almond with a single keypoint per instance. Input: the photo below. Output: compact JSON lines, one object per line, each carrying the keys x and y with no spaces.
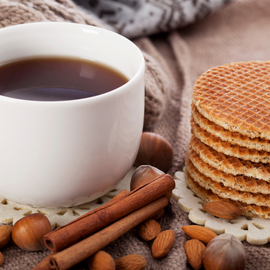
{"x":5,"y":235}
{"x":130,"y":262}
{"x":101,"y":261}
{"x":222,"y":209}
{"x":199,"y":232}
{"x":194,"y":250}
{"x":1,"y":258}
{"x":163,"y":243}
{"x":149,"y":230}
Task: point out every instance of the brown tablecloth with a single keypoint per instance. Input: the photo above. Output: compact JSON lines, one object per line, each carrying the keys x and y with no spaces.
{"x":240,"y":31}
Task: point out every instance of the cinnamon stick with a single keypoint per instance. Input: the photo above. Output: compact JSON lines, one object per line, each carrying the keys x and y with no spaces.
{"x":44,"y":264}
{"x":97,"y":219}
{"x":119,"y":196}
{"x":89,"y":246}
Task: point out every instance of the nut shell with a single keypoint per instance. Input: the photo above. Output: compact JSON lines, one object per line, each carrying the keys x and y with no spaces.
{"x":28,"y":232}
{"x":154,"y":150}
{"x":199,"y":232}
{"x":5,"y":235}
{"x":144,"y":174}
{"x":1,"y":258}
{"x":101,"y":261}
{"x":149,"y":230}
{"x":163,"y":243}
{"x":130,"y":262}
{"x":222,"y":209}
{"x":224,"y":252}
{"x":195,"y":249}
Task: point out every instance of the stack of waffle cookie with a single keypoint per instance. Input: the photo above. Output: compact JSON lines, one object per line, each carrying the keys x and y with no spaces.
{"x":229,"y":151}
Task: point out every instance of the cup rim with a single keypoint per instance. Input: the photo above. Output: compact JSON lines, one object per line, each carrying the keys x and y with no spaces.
{"x":106,"y":95}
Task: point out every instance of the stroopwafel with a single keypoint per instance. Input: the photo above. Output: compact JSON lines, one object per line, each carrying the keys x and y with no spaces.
{"x":228,"y":148}
{"x":239,"y":182}
{"x":229,"y":151}
{"x":226,"y":192}
{"x":208,"y":196}
{"x":236,"y":97}
{"x":228,"y":164}
{"x":228,"y":136}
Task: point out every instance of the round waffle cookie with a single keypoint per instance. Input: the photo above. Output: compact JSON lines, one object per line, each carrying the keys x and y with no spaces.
{"x":239,"y":182}
{"x":228,"y":148}
{"x":228,"y":164}
{"x":208,"y":196}
{"x":226,"y":192}
{"x":228,"y":136}
{"x":236,"y":97}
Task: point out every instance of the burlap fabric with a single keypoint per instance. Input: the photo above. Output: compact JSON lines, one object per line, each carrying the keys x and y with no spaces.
{"x":237,"y":32}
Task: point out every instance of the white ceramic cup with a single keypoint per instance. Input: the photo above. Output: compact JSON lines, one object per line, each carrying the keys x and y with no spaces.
{"x":64,"y":153}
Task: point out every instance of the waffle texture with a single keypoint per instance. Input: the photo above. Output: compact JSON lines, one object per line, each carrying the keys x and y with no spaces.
{"x":208,"y":196}
{"x":226,"y":192}
{"x":229,"y":164}
{"x":228,"y":136}
{"x":236,"y":97}
{"x":230,"y":125}
{"x":227,"y":148}
{"x":238,"y":182}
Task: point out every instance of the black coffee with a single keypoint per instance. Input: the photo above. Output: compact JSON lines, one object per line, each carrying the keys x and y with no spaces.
{"x":57,"y":78}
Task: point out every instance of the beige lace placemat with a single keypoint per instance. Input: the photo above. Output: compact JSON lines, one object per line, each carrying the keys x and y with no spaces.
{"x":254,"y":230}
{"x":58,"y":216}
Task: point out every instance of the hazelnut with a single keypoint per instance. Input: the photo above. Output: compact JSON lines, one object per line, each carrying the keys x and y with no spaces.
{"x":2,"y":258}
{"x":28,"y":232}
{"x":143,"y":175}
{"x":154,"y":150}
{"x":224,"y":252}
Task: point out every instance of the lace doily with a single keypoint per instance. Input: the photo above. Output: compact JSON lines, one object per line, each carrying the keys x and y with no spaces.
{"x":254,"y":230}
{"x":58,"y":216}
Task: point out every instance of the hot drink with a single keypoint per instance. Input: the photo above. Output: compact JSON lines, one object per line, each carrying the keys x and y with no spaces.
{"x":57,"y":78}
